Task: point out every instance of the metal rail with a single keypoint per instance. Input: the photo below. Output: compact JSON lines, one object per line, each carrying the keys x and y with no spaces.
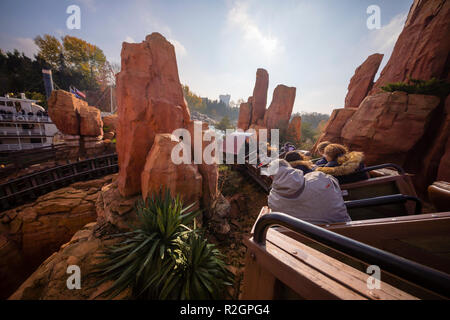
{"x":421,"y":275}
{"x":383,"y":200}
{"x":27,"y":188}
{"x":399,"y":169}
{"x":254,"y":173}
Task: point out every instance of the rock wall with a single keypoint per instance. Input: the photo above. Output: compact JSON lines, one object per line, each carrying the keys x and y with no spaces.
{"x":280,"y":109}
{"x":150,"y":101}
{"x":259,"y":100}
{"x":73,"y":116}
{"x":422,"y":49}
{"x":183,"y":179}
{"x":31,"y":233}
{"x":386,"y":126}
{"x":362,"y":81}
{"x":295,"y":128}
{"x":410,"y":130}
{"x":253,"y":113}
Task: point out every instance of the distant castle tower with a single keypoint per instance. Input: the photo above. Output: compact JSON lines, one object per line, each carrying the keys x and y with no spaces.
{"x":225,"y":98}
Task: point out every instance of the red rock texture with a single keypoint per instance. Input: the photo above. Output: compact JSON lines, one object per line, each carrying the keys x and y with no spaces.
{"x":245,"y":116}
{"x":333,"y":129}
{"x":259,"y":100}
{"x":280,"y":109}
{"x":49,"y":281}
{"x":110,"y":123}
{"x":91,"y":123}
{"x":63,"y":109}
{"x":160,"y":171}
{"x":73,"y":116}
{"x":422,"y":49}
{"x":444,"y":142}
{"x":362,"y":81}
{"x":39,"y":229}
{"x":150,"y":100}
{"x":387,"y":126}
{"x":295,"y":128}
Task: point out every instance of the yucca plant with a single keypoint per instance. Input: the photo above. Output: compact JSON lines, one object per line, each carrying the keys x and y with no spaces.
{"x":201,"y":274}
{"x":157,"y":259}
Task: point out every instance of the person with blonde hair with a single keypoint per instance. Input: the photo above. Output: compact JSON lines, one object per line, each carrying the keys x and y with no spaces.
{"x":343,"y":165}
{"x":320,"y":149}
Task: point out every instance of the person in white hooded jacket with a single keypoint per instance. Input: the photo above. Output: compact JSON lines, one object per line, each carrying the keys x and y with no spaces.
{"x":315,"y":197}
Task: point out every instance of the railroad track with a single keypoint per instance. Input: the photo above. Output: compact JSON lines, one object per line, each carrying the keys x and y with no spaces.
{"x":28,"y":188}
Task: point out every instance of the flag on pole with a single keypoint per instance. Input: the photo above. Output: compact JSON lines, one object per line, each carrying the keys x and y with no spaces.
{"x":77,"y":93}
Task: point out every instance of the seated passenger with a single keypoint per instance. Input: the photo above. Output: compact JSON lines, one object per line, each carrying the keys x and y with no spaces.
{"x":299,"y":161}
{"x":344,"y":165}
{"x":314,"y":197}
{"x":320,"y":149}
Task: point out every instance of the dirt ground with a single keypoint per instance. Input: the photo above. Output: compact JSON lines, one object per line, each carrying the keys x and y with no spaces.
{"x":232,"y":183}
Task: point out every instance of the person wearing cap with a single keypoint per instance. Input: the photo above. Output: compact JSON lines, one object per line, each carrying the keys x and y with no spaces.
{"x":314,"y":197}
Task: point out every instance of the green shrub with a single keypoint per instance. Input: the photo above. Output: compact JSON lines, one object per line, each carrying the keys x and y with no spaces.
{"x":433,"y":86}
{"x":163,"y":258}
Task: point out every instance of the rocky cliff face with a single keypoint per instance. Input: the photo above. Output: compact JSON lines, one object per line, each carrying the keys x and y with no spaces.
{"x":150,"y":100}
{"x":259,"y":100}
{"x":73,"y":116}
{"x":422,"y":49}
{"x":362,"y":81}
{"x":32,"y":232}
{"x":410,"y":130}
{"x":387,"y":126}
{"x":253,"y":113}
{"x":280,"y":109}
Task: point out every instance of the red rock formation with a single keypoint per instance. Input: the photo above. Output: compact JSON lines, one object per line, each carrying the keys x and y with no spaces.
{"x":110,"y":123}
{"x":333,"y":128}
{"x":49,"y":281}
{"x":160,"y":171}
{"x":73,"y":116}
{"x":259,"y":100}
{"x":91,"y":123}
{"x":40,"y":228}
{"x":388,"y":125}
{"x":362,"y":81}
{"x":281,"y":107}
{"x":444,"y":142}
{"x":150,"y":100}
{"x":63,"y":109}
{"x":295,"y":128}
{"x":422,"y":49}
{"x":245,"y":116}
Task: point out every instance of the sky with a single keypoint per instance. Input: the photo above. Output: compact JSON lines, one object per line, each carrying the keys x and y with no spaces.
{"x":313,"y":45}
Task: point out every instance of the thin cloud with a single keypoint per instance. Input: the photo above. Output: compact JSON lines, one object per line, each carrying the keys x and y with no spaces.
{"x":25,"y":45}
{"x":239,"y":18}
{"x":383,"y":40}
{"x":179,"y":48}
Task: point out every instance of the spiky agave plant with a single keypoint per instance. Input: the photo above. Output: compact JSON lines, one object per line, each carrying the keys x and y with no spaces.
{"x":201,"y":273}
{"x":140,"y":260}
{"x":156,"y":259}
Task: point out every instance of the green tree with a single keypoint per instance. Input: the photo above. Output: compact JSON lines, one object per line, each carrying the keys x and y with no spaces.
{"x":50,"y":50}
{"x":224,"y":124}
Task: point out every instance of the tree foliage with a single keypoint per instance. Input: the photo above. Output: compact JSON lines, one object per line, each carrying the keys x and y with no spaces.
{"x":215,"y":109}
{"x":433,"y":86}
{"x":73,"y":61}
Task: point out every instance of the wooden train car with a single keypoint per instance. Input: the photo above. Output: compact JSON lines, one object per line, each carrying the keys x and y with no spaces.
{"x":298,"y":260}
